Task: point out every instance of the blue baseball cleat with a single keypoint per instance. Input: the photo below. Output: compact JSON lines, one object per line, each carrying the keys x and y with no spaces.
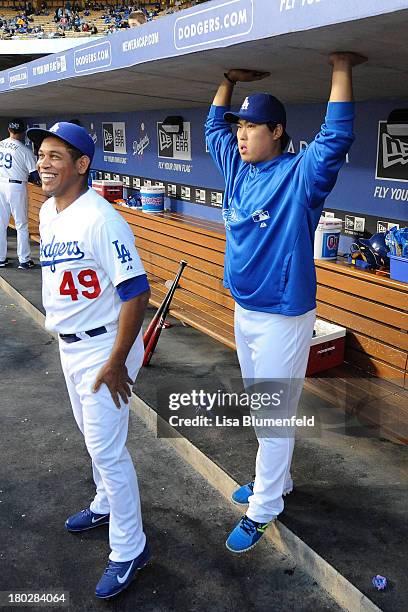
{"x":86,"y":519}
{"x":26,"y":265}
{"x":242,"y":494}
{"x":117,"y":576}
{"x":245,"y":535}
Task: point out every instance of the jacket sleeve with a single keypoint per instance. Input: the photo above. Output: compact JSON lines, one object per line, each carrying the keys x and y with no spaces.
{"x":221,"y":142}
{"x":325,"y":156}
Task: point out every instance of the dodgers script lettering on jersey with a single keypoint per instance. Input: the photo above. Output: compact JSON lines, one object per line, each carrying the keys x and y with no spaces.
{"x":55,"y":252}
{"x":86,"y":251}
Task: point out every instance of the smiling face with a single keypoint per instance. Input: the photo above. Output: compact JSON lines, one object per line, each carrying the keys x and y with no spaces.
{"x":257,"y":143}
{"x":61,"y":175}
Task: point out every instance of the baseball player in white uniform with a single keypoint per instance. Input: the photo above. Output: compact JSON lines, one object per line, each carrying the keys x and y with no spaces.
{"x":17,"y":162}
{"x":95,"y":292}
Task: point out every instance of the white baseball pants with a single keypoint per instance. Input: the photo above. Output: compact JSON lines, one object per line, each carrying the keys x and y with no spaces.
{"x":105,"y":430}
{"x":270,"y":347}
{"x":13,"y":201}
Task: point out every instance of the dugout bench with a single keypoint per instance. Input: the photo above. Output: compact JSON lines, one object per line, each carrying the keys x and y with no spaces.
{"x":374,"y":309}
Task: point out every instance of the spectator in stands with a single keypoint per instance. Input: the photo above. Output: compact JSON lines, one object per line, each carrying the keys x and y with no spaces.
{"x":94,"y":29}
{"x":136,"y":19}
{"x":85,"y":27}
{"x":110,"y":29}
{"x":64,"y":22}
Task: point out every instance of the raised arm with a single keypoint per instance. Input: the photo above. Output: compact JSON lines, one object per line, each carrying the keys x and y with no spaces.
{"x":224,"y":92}
{"x":325,"y":156}
{"x":221,"y":142}
{"x":342,"y":82}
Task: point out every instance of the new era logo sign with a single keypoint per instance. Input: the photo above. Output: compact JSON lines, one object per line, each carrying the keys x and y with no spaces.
{"x":165,"y":141}
{"x":174,"y":146}
{"x":395,"y":151}
{"x":392,"y":155}
{"x":245,"y":104}
{"x":114,"y":137}
{"x":107,"y":137}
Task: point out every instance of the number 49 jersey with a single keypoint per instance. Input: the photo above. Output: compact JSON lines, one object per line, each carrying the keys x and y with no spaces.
{"x":86,"y":251}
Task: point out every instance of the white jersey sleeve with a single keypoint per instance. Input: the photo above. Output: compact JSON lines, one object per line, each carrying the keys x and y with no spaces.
{"x":16,"y":160}
{"x":114,"y":250}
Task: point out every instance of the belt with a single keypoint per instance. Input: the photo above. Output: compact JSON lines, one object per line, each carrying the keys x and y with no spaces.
{"x":7,"y":180}
{"x":98,"y":331}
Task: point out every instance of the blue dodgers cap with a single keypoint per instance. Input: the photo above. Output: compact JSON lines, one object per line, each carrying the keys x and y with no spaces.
{"x":75,"y":135}
{"x":259,"y":108}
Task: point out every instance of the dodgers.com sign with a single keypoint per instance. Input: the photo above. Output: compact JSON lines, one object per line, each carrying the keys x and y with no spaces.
{"x":18,"y":77}
{"x":93,"y":57}
{"x":229,"y":20}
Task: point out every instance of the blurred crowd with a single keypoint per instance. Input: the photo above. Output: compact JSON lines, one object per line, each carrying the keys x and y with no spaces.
{"x":80,"y":17}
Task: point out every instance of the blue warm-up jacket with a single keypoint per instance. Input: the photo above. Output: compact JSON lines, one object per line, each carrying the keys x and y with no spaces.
{"x":271,"y":210}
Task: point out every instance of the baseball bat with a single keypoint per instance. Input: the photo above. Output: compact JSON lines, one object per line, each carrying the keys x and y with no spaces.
{"x":152,"y":325}
{"x":152,"y":334}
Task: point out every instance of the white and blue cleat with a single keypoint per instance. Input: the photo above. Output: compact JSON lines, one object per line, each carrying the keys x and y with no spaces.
{"x":118,"y":575}
{"x":86,"y":519}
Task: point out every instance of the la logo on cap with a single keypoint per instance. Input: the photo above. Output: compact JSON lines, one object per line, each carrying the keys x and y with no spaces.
{"x":54,"y":128}
{"x":245,"y":104}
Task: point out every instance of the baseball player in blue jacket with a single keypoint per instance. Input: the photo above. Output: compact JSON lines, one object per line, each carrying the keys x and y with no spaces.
{"x":272,"y":204}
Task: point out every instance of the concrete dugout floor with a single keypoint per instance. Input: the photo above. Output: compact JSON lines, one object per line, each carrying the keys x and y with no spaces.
{"x":350,"y":498}
{"x":46,"y":476}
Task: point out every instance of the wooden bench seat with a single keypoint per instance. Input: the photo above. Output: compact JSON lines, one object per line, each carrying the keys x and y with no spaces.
{"x":201,"y":301}
{"x":375,"y":312}
{"x":373,"y":309}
